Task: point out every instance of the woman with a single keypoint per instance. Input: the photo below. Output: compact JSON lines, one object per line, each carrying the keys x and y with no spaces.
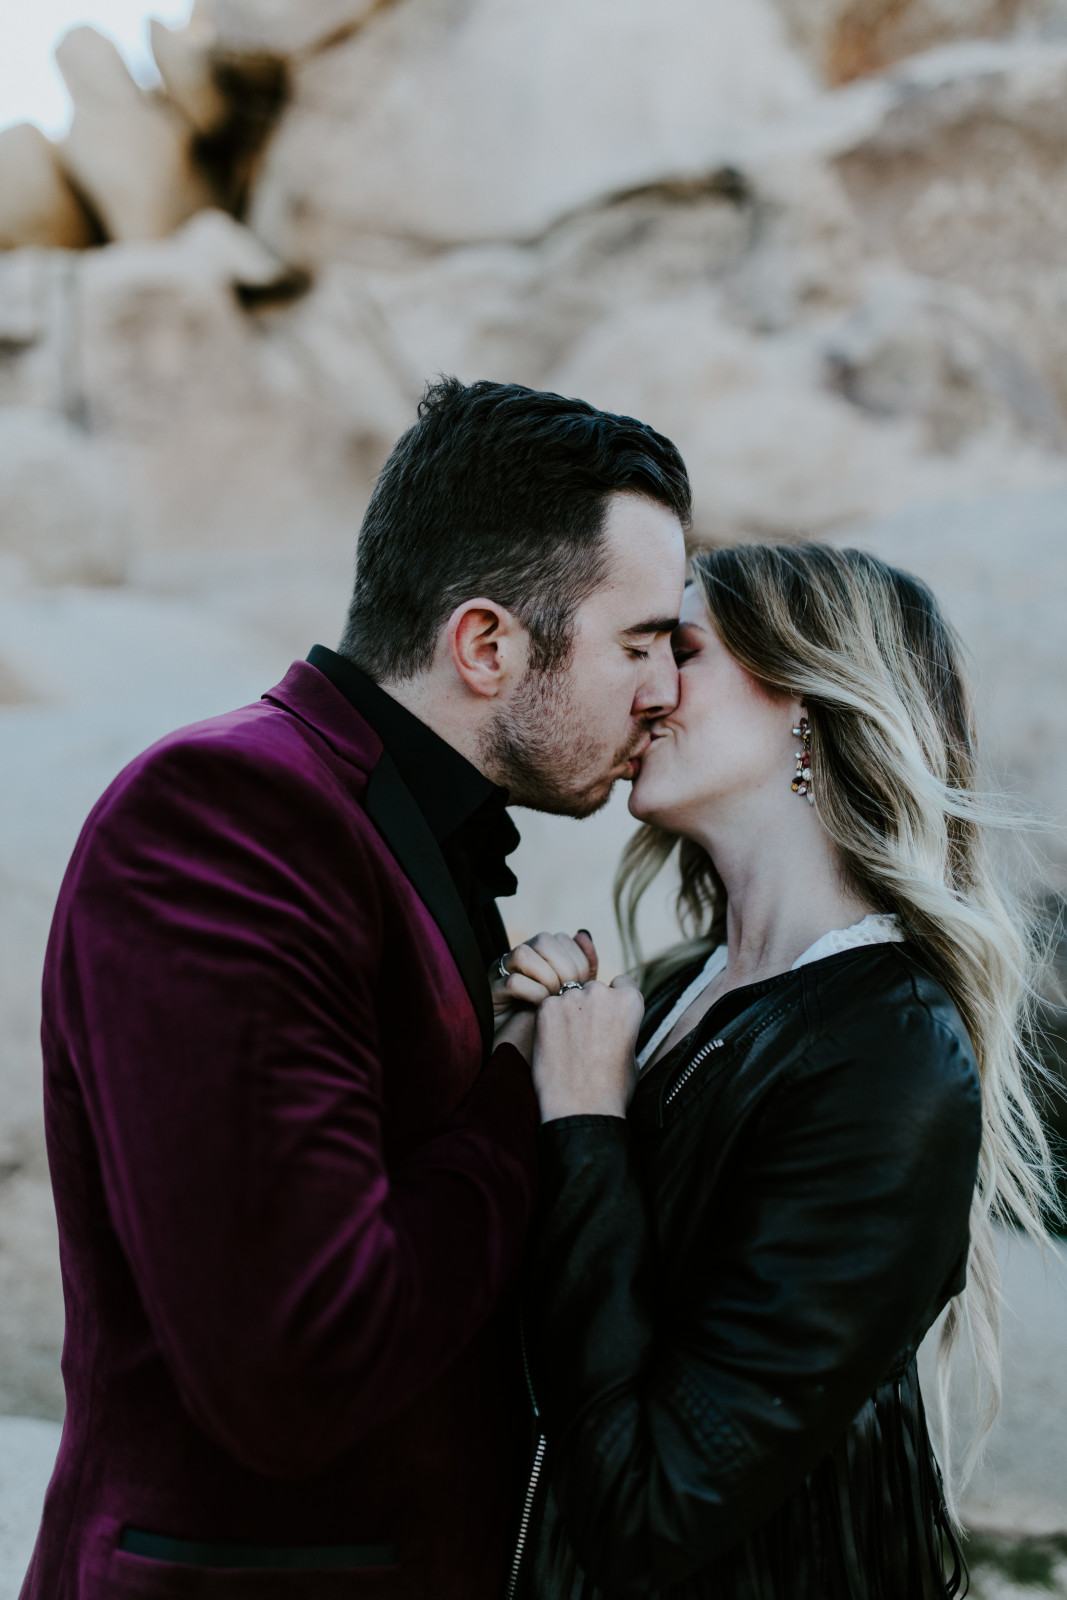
{"x":745,"y":1234}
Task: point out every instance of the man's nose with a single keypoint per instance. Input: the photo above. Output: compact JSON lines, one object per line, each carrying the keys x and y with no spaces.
{"x":657,"y":693}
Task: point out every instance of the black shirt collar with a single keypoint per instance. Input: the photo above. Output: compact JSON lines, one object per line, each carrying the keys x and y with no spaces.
{"x":460,"y":804}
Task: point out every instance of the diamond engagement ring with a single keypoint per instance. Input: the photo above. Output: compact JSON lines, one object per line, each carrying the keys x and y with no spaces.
{"x":565,"y":986}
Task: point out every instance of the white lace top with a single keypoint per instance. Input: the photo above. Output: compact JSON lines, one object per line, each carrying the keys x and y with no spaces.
{"x":873,"y":929}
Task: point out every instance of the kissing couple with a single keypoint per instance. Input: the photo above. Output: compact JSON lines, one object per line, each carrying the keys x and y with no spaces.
{"x":401,"y":1264}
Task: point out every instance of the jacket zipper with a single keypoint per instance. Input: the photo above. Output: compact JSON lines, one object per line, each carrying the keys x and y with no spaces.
{"x":701,"y":1055}
{"x":531,"y":1487}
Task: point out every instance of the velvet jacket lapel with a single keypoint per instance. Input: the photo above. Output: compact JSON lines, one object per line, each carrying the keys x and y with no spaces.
{"x":309,"y":695}
{"x":390,"y":806}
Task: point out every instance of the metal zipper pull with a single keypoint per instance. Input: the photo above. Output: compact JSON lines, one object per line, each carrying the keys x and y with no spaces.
{"x":535,"y":1474}
{"x":701,"y":1055}
{"x":527,"y":1511}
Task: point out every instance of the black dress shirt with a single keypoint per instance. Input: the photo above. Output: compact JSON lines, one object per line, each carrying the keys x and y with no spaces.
{"x":465,"y":811}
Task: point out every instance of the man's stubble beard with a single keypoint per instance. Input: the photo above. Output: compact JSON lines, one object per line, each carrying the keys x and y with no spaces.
{"x":538,"y":748}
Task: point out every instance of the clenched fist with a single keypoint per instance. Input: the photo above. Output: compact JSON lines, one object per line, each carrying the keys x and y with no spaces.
{"x":583,"y":1054}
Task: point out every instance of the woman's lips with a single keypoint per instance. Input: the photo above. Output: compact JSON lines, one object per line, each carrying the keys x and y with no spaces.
{"x":635,"y":764}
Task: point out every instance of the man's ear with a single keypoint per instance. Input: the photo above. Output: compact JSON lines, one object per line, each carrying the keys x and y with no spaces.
{"x":487,"y":644}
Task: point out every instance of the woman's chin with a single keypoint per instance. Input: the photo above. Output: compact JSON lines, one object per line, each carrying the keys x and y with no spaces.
{"x":653,"y":803}
{"x":640,"y":802}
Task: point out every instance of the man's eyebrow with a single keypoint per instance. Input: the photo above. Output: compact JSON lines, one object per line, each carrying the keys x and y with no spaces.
{"x":652,"y":625}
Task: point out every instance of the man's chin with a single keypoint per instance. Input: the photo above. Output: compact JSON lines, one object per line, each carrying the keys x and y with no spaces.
{"x":585,"y":803}
{"x":588,"y":805}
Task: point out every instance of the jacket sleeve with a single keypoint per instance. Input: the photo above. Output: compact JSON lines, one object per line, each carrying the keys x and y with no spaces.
{"x":677,"y":1421}
{"x":218,"y":979}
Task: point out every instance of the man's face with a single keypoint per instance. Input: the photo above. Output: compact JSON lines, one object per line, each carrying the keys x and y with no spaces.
{"x":565,"y":737}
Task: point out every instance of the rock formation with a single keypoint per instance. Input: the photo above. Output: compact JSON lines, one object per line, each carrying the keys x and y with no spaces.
{"x":839,"y":287}
{"x":487,"y":120}
{"x":129,"y":154}
{"x":849,"y":39}
{"x":37,"y":204}
{"x":282,"y":28}
{"x":845,"y":302}
{"x":62,"y":506}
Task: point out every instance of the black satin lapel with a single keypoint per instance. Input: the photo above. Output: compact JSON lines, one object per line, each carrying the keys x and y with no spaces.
{"x":390,"y":806}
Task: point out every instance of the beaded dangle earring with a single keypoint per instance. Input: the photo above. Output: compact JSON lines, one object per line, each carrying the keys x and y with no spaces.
{"x":802,"y":783}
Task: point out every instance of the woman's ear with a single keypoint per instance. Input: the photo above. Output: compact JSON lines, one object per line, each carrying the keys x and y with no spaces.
{"x":487,"y":644}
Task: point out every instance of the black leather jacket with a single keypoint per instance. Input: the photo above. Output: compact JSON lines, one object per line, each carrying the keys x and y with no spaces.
{"x":727,"y":1290}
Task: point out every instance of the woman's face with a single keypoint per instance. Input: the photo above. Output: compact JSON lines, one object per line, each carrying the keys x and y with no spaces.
{"x":726,"y":749}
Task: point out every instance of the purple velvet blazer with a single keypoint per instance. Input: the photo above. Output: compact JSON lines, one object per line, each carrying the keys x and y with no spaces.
{"x":292,"y":1193}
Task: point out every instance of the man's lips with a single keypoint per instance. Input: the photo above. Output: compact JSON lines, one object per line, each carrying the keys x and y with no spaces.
{"x":633,"y":765}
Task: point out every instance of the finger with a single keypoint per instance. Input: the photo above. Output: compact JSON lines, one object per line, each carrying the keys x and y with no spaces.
{"x":624,"y":984}
{"x":584,"y":940}
{"x":562,"y":954}
{"x":531,"y":963}
{"x":578,"y":961}
{"x":526,"y":990}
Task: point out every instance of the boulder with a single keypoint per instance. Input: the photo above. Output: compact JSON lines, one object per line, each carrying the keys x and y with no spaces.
{"x":37,"y":204}
{"x":129,"y":153}
{"x":780,"y":251}
{"x":936,"y":352}
{"x":163,"y":336}
{"x":216,"y":408}
{"x":769,"y":453}
{"x":286,"y":27}
{"x":513,"y":312}
{"x":963,"y":172}
{"x":38,"y":319}
{"x":961,"y":175}
{"x":806,"y":251}
{"x":186,"y":64}
{"x":461,"y":120}
{"x":847,"y":39}
{"x":345,"y":339}
{"x":212,"y":245}
{"x":63,"y":504}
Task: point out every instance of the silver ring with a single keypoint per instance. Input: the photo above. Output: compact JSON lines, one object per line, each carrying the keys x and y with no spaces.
{"x":565,"y":986}
{"x":504,"y":971}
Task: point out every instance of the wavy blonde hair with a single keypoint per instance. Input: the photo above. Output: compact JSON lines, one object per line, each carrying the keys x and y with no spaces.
{"x":895,"y":778}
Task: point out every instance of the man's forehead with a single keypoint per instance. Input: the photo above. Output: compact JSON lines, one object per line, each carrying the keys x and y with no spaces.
{"x":634,"y":523}
{"x":645,"y":550}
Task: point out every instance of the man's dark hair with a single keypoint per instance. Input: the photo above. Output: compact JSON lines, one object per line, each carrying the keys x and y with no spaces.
{"x":501,"y":491}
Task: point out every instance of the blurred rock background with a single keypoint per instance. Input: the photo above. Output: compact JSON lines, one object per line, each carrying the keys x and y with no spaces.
{"x":821,"y":243}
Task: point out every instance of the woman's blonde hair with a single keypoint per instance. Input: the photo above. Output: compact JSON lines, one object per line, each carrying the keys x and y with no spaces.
{"x":895,"y":778}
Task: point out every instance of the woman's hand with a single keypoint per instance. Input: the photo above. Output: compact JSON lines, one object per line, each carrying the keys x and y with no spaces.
{"x":583,"y":1054}
{"x":541,"y":967}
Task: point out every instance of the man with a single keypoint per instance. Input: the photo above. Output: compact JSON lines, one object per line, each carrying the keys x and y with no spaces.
{"x":292,"y":1176}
